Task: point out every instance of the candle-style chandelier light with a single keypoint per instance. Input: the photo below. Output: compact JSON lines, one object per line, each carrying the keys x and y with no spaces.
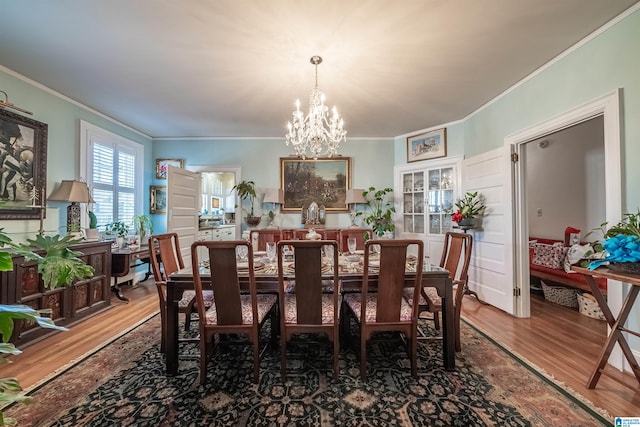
{"x":317,"y":134}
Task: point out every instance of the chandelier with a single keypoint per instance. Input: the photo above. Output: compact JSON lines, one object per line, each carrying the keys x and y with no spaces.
{"x":316,"y":134}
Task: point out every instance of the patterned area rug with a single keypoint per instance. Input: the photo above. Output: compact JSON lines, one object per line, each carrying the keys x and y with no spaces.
{"x":124,"y":385}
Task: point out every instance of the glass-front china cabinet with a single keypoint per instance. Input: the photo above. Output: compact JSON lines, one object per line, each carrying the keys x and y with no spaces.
{"x":425,"y":193}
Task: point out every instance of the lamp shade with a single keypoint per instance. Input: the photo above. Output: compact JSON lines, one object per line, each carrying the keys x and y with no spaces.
{"x":72,"y":191}
{"x":355,"y":196}
{"x":273,"y":195}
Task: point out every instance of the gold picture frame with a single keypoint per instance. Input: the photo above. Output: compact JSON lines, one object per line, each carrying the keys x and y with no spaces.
{"x":426,"y":146}
{"x":158,"y":199}
{"x":162,"y":166}
{"x":324,"y":181}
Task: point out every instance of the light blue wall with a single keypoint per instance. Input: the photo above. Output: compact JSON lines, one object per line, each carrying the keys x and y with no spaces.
{"x":598,"y":67}
{"x":63,"y":146}
{"x":259,"y":159}
{"x":604,"y":64}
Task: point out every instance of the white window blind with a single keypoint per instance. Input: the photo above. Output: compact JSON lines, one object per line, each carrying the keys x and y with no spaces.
{"x":113,"y":170}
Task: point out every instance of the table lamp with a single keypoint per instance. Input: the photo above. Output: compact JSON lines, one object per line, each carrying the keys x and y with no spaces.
{"x":354,"y":196}
{"x":74,"y":192}
{"x":275,"y":196}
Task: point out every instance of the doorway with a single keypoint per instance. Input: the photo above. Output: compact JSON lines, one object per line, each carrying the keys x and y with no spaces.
{"x":216,"y":183}
{"x":565,"y":184}
{"x":607,"y":106}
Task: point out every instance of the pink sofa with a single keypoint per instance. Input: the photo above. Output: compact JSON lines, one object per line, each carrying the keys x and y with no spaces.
{"x":550,"y":273}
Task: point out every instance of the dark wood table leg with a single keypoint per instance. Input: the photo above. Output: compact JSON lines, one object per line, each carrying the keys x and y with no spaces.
{"x":116,"y":289}
{"x":171,"y":339}
{"x":448,"y":325}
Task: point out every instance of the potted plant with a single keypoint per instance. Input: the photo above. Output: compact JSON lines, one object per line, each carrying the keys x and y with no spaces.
{"x":59,"y":266}
{"x":380,"y":211}
{"x":143,"y":226}
{"x":247,"y":190}
{"x":469,"y":207}
{"x":92,"y":231}
{"x":119,"y":230}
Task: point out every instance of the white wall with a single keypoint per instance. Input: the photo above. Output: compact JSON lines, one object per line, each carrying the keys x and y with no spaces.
{"x":565,"y":180}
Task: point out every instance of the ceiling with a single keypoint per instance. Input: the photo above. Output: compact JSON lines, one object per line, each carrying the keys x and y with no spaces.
{"x":234,"y":68}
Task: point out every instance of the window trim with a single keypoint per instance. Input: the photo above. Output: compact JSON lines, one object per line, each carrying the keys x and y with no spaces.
{"x":90,"y":133}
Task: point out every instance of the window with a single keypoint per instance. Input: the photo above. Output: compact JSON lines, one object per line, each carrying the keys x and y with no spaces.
{"x":112,"y":166}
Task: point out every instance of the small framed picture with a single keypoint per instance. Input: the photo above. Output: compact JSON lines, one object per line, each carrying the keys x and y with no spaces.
{"x":428,"y":145}
{"x":162,"y":166}
{"x":158,"y":199}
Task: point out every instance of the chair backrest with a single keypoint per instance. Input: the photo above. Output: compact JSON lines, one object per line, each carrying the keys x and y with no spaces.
{"x":287,"y":233}
{"x":165,"y":249}
{"x":223,"y":280}
{"x":457,"y":247}
{"x":357,"y":233}
{"x":330,"y":234}
{"x":394,"y":257}
{"x":300,"y":234}
{"x":264,"y":235}
{"x":456,"y":256}
{"x":308,"y":272}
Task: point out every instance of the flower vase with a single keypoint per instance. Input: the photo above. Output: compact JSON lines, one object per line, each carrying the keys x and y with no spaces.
{"x":466,"y":222}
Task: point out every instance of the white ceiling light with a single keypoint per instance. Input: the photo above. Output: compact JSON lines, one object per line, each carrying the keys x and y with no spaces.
{"x":316,"y":134}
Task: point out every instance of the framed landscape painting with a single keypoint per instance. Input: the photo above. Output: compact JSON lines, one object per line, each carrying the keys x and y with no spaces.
{"x":428,"y":145}
{"x":158,"y":199}
{"x":324,"y":181}
{"x":23,"y":160}
{"x":162,"y":165}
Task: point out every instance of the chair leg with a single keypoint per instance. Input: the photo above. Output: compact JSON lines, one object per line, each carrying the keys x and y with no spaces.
{"x":436,"y":320}
{"x":336,"y":352}
{"x":363,"y":355}
{"x":414,"y":353}
{"x":203,"y":357}
{"x":283,"y":354}
{"x":163,"y":331}
{"x":256,"y":357}
{"x":457,"y":323}
{"x":275,"y":325}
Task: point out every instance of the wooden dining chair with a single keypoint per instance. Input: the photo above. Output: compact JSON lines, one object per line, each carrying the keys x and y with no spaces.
{"x":456,"y":256}
{"x":308,"y":307}
{"x":164,"y":250}
{"x":360,"y":234}
{"x":330,"y":234}
{"x":287,"y":233}
{"x":385,"y":308}
{"x":264,"y":235}
{"x":232,"y":311}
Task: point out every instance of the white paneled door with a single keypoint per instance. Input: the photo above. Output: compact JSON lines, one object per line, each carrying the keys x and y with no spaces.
{"x":183,"y":202}
{"x":491,"y":267}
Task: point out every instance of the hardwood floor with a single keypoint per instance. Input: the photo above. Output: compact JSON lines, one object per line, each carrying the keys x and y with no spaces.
{"x":42,"y":358}
{"x":561,"y":341}
{"x":565,"y":344}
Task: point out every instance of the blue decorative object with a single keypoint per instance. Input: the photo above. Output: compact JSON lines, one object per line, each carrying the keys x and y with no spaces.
{"x":620,"y":248}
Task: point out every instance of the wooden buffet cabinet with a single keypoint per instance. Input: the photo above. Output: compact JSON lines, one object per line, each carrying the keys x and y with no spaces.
{"x":83,"y":298}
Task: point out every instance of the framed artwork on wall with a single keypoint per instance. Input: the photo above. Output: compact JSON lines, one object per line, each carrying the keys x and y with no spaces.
{"x":323,"y":180}
{"x":158,"y":199}
{"x":162,"y":165}
{"x":428,"y":145}
{"x":23,"y":160}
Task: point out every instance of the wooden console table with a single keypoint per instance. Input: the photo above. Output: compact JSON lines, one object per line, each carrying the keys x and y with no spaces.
{"x":122,"y":260}
{"x":68,"y":304}
{"x":617,"y":325}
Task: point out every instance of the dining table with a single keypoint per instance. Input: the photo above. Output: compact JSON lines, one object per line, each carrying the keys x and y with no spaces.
{"x":350,"y":274}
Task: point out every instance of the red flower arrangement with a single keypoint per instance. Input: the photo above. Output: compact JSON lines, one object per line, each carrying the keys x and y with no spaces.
{"x":457,"y":216}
